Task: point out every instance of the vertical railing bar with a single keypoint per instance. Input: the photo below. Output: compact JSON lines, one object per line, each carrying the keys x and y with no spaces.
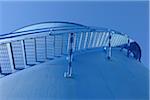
{"x":91,"y":34}
{"x":98,"y":38}
{"x":107,"y":40}
{"x":68,"y":74}
{"x":45,"y":47}
{"x":10,"y":56}
{"x":106,"y":37}
{"x":94,"y":39}
{"x":109,"y":47}
{"x":86,"y":37}
{"x":35,"y":49}
{"x":68,"y":44}
{"x":128,"y":47}
{"x":80,"y":41}
{"x":112,"y":38}
{"x":74,"y":46}
{"x":62,"y":44}
{"x":87,"y":42}
{"x":101,"y":35}
{"x":75,"y":40}
{"x":102,"y":39}
{"x":54,"y":45}
{"x":24,"y":52}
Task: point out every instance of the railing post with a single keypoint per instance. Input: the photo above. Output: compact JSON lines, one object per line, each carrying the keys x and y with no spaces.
{"x":45,"y":47}
{"x":35,"y":44}
{"x":94,"y":39}
{"x":74,"y":44}
{"x":62,"y":44}
{"x":54,"y":45}
{"x":80,"y":41}
{"x":90,"y":40}
{"x":24,"y":53}
{"x":85,"y":41}
{"x":109,"y":46}
{"x":10,"y":54}
{"x":68,"y":74}
{"x":128,"y":47}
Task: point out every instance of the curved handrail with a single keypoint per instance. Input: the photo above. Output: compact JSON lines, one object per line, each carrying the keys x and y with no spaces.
{"x":62,"y":24}
{"x":38,"y":44}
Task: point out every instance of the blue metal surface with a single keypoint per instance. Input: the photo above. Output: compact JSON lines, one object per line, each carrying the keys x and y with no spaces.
{"x":48,"y":40}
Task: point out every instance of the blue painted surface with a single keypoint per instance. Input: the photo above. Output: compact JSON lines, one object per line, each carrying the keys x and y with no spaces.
{"x":93,"y":78}
{"x":128,"y":17}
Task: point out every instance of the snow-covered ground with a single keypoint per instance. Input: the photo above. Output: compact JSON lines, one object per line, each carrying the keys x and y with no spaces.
{"x":94,"y":77}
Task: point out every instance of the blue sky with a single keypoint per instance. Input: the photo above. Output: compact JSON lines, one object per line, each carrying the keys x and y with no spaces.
{"x":126,"y":16}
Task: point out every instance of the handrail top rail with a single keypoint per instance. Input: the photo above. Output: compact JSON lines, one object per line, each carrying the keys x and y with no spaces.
{"x":55,"y":26}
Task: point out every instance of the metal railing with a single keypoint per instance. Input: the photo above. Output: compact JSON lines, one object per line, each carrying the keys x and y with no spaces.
{"x":30,"y":45}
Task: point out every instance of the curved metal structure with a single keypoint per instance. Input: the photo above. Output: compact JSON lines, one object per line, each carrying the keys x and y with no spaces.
{"x":36,"y":43}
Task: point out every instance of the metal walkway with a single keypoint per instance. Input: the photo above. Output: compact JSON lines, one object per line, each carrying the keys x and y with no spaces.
{"x":94,"y":78}
{"x":36,"y":43}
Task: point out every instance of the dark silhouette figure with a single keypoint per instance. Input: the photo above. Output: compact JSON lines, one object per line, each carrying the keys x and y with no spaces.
{"x":134,"y":48}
